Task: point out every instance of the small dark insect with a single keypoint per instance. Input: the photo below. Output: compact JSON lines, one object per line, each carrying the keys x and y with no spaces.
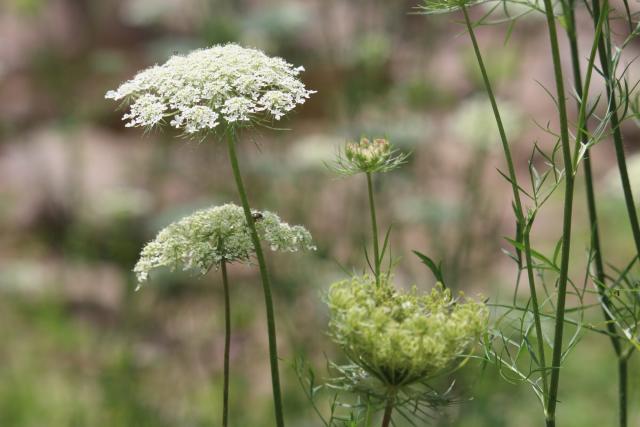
{"x":257,"y":216}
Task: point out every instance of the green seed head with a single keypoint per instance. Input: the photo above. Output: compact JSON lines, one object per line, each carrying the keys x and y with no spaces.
{"x":401,"y":338}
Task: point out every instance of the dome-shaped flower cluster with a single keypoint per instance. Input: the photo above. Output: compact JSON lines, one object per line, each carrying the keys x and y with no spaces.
{"x":400,"y":338}
{"x":204,"y":239}
{"x":367,"y":156}
{"x":224,"y":85}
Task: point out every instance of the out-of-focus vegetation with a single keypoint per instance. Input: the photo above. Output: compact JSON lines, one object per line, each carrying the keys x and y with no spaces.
{"x":79,"y":196}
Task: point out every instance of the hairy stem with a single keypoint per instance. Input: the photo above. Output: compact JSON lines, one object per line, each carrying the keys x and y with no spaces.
{"x":567,"y":213}
{"x":271,"y":322}
{"x":523,"y":228}
{"x":227,"y":343}
{"x":374,"y":229}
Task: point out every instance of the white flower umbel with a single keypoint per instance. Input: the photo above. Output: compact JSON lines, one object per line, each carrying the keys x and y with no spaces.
{"x":207,"y":237}
{"x":225,"y":85}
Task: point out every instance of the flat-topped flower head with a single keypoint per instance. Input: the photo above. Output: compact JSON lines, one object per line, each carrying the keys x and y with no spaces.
{"x":401,"y":338}
{"x":219,"y":87}
{"x":201,"y":241}
{"x":367,"y":156}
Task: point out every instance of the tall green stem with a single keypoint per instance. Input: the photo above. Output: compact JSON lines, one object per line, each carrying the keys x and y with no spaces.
{"x":600,"y":13}
{"x":523,"y":227}
{"x":618,"y":142}
{"x":374,"y":229}
{"x":227,"y":343}
{"x":271,"y":322}
{"x":583,"y":137}
{"x":622,"y":390}
{"x":566,"y":223}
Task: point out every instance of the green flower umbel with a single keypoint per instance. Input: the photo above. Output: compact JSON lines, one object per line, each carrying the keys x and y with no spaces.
{"x":204,"y":239}
{"x":367,"y":156}
{"x":401,"y":338}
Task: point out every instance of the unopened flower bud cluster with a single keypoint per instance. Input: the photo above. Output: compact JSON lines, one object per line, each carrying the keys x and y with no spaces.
{"x":366,"y":154}
{"x":224,"y":85}
{"x":400,"y":337}
{"x":204,"y":239}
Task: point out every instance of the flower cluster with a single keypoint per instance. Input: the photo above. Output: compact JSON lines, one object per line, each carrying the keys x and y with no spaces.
{"x":225,"y":84}
{"x":368,"y":157}
{"x":204,"y":239}
{"x":400,"y":338}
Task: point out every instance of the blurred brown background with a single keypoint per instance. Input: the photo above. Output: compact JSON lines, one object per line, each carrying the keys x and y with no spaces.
{"x":80,"y":195}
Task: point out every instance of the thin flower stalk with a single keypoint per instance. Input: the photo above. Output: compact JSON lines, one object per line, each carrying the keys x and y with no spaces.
{"x":227,"y":343}
{"x":604,"y":45}
{"x":374,"y":230}
{"x":583,"y":138}
{"x":523,"y":225}
{"x":264,"y":275}
{"x":600,"y":12}
{"x":369,"y":157}
{"x":552,"y":397}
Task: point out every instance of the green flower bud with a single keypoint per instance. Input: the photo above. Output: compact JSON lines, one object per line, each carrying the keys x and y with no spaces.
{"x":367,"y":157}
{"x":400,"y":338}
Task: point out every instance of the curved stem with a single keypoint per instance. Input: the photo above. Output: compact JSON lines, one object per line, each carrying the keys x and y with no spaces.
{"x":374,"y":229}
{"x":523,"y":227}
{"x":271,"y":322}
{"x":227,"y":343}
{"x":567,"y":213}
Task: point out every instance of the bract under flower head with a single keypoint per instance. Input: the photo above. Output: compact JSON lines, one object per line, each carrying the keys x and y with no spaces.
{"x":204,"y":239}
{"x":225,"y":85}
{"x":367,"y":157}
{"x":400,"y":338}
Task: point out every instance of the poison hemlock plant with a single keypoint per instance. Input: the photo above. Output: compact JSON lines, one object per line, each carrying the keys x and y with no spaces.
{"x":218,"y":91}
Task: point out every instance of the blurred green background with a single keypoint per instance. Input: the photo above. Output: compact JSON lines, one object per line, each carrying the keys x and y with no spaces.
{"x":80,"y":195}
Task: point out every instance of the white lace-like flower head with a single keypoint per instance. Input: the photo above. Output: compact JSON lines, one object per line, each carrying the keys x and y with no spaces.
{"x":225,"y":85}
{"x":207,"y":237}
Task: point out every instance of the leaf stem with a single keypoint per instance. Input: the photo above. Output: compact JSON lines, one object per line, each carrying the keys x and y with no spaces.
{"x":567,"y":214}
{"x":227,"y":343}
{"x":271,"y":323}
{"x":374,"y":229}
{"x":523,"y":226}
